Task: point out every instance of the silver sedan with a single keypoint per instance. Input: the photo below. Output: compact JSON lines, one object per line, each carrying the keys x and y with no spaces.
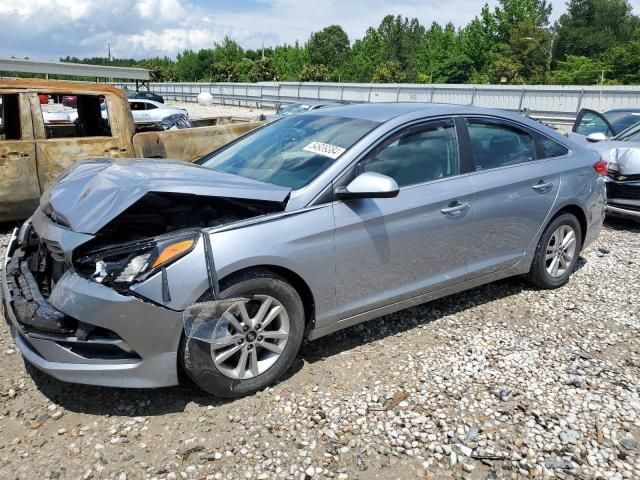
{"x":131,"y":271}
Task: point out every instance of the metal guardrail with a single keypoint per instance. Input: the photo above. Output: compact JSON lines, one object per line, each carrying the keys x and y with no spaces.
{"x":557,"y":103}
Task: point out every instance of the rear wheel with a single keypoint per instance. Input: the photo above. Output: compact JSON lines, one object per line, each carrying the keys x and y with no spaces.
{"x":259,"y":340}
{"x":557,"y":252}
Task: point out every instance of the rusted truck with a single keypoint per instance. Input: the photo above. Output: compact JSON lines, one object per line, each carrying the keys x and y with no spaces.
{"x":36,"y":144}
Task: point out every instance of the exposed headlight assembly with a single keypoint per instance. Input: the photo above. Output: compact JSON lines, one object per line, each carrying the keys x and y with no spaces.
{"x":130,"y":263}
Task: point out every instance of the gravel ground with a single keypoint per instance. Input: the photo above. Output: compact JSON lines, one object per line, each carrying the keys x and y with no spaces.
{"x":208,"y":111}
{"x":503,"y":381}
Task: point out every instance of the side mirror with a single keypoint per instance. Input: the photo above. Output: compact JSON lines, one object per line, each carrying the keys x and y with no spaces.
{"x":596,"y":137}
{"x":368,"y":185}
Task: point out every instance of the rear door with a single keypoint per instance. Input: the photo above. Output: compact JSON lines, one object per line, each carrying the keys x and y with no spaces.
{"x":65,"y":135}
{"x":516,"y":182}
{"x":390,"y":249}
{"x":19,"y":191}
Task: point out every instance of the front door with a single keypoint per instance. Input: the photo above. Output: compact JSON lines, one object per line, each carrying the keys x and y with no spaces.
{"x":87,"y":126}
{"x":390,"y":249}
{"x":19,"y":191}
{"x":516,"y":182}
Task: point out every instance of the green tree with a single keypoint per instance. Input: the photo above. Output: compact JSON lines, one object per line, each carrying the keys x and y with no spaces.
{"x":401,"y":39}
{"x":578,"y":70}
{"x":389,"y":72}
{"x":590,"y":27}
{"x":314,"y":73}
{"x":242,"y":70}
{"x":289,"y":61}
{"x":328,"y":47}
{"x":189,"y":66}
{"x":263,"y":71}
{"x":512,"y":12}
{"x":366,"y":54}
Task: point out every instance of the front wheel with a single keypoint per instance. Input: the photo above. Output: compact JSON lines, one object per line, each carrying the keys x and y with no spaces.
{"x":557,"y":252}
{"x":253,"y":343}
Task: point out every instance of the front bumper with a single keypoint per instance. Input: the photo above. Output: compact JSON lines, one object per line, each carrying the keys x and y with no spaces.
{"x":623,"y":198}
{"x":140,"y":351}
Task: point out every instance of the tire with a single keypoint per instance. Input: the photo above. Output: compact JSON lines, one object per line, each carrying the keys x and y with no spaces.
{"x":539,"y":273}
{"x":222,"y":379}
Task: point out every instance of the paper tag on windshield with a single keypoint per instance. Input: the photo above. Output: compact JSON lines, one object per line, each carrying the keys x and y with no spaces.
{"x":326,"y":149}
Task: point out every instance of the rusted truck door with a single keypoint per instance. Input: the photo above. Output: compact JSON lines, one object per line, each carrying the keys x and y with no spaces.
{"x":88,"y":126}
{"x":19,"y":190}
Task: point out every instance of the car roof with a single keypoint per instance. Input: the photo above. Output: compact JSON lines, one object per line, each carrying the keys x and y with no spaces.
{"x":146,"y":100}
{"x":623,"y":110}
{"x":383,"y":112}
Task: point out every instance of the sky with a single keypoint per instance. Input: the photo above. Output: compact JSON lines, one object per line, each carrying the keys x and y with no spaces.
{"x":50,"y":29}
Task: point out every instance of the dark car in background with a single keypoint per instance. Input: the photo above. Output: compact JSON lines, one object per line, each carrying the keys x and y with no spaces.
{"x":146,"y":96}
{"x":603,"y":125}
{"x":294,"y":108}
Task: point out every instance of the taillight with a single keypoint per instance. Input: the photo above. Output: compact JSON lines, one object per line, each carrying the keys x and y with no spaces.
{"x":601,"y":167}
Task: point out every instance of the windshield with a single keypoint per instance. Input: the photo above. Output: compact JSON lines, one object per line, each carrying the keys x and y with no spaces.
{"x":290,"y":152}
{"x":630,"y":135}
{"x":293,"y":108}
{"x":622,"y":120}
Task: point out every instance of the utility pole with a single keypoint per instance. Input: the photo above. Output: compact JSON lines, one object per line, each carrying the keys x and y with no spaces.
{"x":109,"y":51}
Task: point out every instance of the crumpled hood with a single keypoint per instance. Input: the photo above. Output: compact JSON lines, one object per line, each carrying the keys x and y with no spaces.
{"x":93,"y":192}
{"x":624,"y":157}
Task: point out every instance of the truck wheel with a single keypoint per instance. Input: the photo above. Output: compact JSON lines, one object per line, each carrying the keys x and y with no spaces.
{"x":258,"y":343}
{"x":557,"y":252}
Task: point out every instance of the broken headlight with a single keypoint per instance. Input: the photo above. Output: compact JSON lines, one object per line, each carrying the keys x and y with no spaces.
{"x":126,"y":264}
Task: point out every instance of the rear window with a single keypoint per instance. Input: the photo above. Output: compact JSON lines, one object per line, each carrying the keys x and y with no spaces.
{"x":550,"y":148}
{"x":70,"y":116}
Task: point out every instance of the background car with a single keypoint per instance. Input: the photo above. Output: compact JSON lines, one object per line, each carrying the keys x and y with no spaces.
{"x":294,"y":108}
{"x":622,"y":153}
{"x":594,"y":126}
{"x":149,"y":111}
{"x":302,"y":227}
{"x":146,"y":96}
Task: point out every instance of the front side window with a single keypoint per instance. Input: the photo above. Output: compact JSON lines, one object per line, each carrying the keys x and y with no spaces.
{"x":420,"y":155}
{"x":495,"y":144}
{"x":151,"y":106}
{"x":71,"y":116}
{"x":290,"y":152}
{"x":10,"y":117}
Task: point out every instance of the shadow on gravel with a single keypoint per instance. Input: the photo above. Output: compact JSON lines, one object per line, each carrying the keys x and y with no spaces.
{"x":411,"y":318}
{"x":129,"y":401}
{"x":623,"y":224}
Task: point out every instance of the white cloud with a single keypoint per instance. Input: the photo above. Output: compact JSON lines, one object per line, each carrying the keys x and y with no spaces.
{"x":48,"y":29}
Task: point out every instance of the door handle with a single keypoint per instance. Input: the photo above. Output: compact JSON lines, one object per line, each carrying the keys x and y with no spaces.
{"x":455,"y":208}
{"x":16,"y":154}
{"x":541,"y":186}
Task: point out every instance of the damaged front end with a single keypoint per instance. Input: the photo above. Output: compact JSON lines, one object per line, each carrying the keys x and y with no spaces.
{"x":623,"y":180}
{"x":95,"y":283}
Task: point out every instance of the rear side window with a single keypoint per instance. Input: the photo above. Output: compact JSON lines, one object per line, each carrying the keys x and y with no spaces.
{"x":495,"y":144}
{"x":71,"y":116}
{"x":10,"y":117}
{"x":548,"y":148}
{"x":423,"y":154}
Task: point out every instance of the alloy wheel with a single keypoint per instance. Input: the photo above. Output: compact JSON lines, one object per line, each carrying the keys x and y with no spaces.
{"x":252,"y":337}
{"x":560,"y":251}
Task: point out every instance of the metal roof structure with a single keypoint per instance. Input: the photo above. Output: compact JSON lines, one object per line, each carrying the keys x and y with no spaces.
{"x":72,"y":69}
